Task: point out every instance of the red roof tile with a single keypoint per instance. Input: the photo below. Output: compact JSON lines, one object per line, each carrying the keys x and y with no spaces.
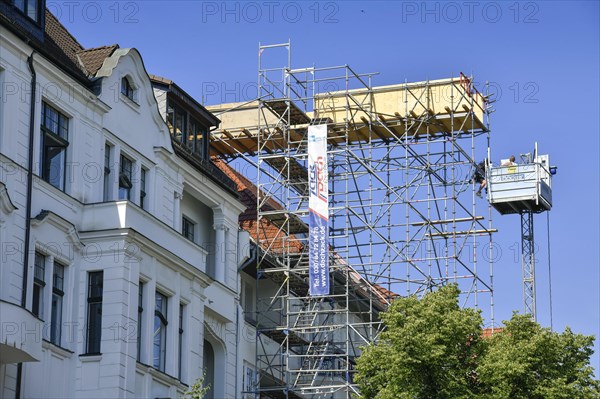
{"x":267,"y":235}
{"x":488,"y":332}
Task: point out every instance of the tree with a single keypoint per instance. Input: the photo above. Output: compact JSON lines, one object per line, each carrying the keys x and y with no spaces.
{"x":433,"y":349}
{"x":526,"y":361}
{"x":198,"y":390}
{"x":428,"y":350}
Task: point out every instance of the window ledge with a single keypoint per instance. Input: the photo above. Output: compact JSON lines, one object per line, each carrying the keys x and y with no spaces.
{"x":160,"y":375}
{"x":56,"y":193}
{"x":131,"y":103}
{"x":56,"y":349}
{"x":94,"y":357}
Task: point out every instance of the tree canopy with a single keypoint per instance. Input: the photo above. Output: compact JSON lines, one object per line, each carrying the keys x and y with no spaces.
{"x":434,"y":349}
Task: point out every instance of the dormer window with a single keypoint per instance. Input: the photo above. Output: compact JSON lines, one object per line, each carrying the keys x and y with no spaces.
{"x":187,"y":130}
{"x":31,"y":8}
{"x":127,"y":89}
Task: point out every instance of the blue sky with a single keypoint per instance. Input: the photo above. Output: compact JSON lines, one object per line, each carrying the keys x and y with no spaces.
{"x":543,"y":58}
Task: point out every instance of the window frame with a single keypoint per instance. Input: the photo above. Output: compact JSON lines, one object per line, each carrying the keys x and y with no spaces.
{"x":192,"y":127}
{"x":143,"y":187}
{"x":48,"y":134}
{"x":26,"y":11}
{"x":108,"y":149}
{"x":94,"y":341}
{"x":249,"y":381}
{"x":180,"y":348}
{"x":160,"y":330}
{"x":185,"y":231}
{"x":125,"y":177}
{"x":140,"y":320}
{"x":127,"y":89}
{"x":56,"y":316}
{"x":39,"y":285}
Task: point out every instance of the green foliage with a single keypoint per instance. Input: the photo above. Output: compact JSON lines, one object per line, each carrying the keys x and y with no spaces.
{"x":526,"y":361}
{"x":427,"y":351}
{"x":433,"y":349}
{"x":198,"y":390}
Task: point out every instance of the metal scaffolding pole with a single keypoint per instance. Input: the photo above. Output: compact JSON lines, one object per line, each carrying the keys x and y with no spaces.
{"x":528,"y":263}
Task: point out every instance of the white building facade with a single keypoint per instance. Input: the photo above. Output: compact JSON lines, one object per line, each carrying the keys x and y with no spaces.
{"x":120,"y":250}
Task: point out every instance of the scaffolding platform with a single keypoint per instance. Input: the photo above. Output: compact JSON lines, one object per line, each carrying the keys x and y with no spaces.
{"x":521,"y":188}
{"x":282,"y":335}
{"x":293,"y":170}
{"x":279,"y":107}
{"x":273,"y":388}
{"x":387,"y":113}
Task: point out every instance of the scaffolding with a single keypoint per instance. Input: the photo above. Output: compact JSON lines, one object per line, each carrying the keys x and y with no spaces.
{"x":404,"y":218}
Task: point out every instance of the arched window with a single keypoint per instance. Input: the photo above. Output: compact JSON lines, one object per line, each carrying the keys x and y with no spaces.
{"x":127,"y":89}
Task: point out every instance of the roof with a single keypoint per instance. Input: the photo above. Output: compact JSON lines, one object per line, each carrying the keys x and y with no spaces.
{"x":187,"y":99}
{"x":267,"y":234}
{"x":489,"y":332}
{"x":63,"y":39}
{"x":56,"y":44}
{"x":92,"y":59}
{"x":160,"y":79}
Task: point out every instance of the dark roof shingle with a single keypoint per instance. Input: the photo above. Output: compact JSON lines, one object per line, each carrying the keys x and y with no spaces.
{"x":62,"y":47}
{"x":93,"y":58}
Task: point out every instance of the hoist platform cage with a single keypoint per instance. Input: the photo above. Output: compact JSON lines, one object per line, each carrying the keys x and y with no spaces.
{"x":522,"y":187}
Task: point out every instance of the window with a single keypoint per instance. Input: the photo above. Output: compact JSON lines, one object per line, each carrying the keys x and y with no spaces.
{"x":31,"y":8}
{"x":180,"y":354}
{"x":55,"y":135}
{"x":249,"y":381}
{"x":143,"y":172}
{"x":160,"y":331}
{"x":180,"y":125}
{"x":187,"y":130}
{"x":196,"y":138}
{"x":139,"y":321}
{"x":177,"y":122}
{"x":39,"y":282}
{"x":127,"y":88}
{"x":125,"y":175}
{"x":94,"y":317}
{"x":107,"y":185}
{"x":187,"y":228}
{"x":58,"y":278}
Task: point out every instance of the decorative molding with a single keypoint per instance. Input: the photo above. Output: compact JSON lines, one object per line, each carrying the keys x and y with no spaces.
{"x":215,"y":326}
{"x":221,"y":226}
{"x":163,"y":255}
{"x":107,"y":69}
{"x":6,"y":204}
{"x":67,"y":227}
{"x":160,"y":376}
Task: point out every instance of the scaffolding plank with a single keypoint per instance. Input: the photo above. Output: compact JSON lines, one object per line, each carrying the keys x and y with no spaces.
{"x":461,"y":233}
{"x":421,"y":102}
{"x":295,"y":225}
{"x":298,"y":174}
{"x":280,"y":107}
{"x":281,"y":335}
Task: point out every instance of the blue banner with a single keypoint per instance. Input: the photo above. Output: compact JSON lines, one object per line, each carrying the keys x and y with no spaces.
{"x":318,"y":204}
